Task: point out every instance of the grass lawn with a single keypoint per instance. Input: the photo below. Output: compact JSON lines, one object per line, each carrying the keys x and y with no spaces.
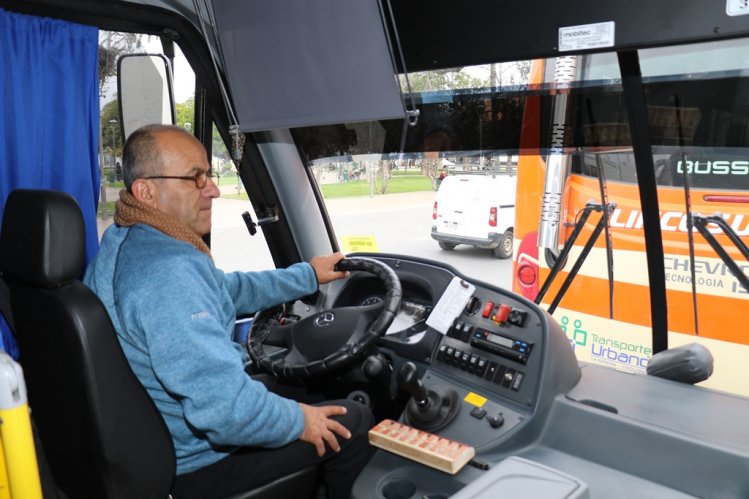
{"x":110,"y":209}
{"x":398,"y":183}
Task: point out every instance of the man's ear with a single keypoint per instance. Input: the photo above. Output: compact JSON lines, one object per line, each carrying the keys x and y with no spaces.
{"x":143,"y":191}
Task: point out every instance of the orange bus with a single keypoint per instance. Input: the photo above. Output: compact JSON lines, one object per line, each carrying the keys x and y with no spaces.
{"x":698,"y":128}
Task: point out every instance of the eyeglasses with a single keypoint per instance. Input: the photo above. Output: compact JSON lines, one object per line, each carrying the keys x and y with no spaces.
{"x":200,"y":179}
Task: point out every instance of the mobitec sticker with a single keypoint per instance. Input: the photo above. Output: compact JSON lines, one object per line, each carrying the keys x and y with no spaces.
{"x":586,"y":36}
{"x":590,"y":346}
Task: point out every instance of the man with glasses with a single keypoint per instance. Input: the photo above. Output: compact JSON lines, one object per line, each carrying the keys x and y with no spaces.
{"x":174,"y":313}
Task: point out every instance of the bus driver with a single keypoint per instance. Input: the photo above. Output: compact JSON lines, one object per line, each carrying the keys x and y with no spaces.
{"x":174,"y":314}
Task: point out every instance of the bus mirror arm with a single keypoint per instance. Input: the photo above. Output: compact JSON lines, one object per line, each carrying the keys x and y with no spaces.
{"x":562,"y":259}
{"x":270,"y":216}
{"x":701,"y":221}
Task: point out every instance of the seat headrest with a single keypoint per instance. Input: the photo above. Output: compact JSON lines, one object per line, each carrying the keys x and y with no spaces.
{"x":43,"y":239}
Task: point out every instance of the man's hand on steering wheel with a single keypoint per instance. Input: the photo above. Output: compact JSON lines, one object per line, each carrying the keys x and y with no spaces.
{"x":324,"y":267}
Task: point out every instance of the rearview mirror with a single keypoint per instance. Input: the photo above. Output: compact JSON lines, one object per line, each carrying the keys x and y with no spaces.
{"x":146,"y":94}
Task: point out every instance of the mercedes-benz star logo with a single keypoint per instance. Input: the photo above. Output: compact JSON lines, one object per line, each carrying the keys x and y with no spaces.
{"x":324,"y":319}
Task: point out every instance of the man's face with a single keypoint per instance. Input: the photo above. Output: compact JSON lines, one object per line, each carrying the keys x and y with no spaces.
{"x":182,"y":155}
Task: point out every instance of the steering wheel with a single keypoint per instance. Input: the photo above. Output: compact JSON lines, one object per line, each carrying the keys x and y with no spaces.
{"x":330,"y":339}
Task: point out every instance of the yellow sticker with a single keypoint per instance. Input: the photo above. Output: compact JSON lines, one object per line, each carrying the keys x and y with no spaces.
{"x":475,"y":399}
{"x":354,"y":244}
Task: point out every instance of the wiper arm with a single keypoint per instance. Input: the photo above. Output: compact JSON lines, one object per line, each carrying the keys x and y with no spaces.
{"x":701,"y":221}
{"x":589,"y":208}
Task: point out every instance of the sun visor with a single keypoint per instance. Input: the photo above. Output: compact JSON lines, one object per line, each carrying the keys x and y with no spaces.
{"x":293,"y":63}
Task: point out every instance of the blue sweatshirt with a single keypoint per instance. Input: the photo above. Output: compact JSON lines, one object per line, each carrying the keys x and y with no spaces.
{"x":174,"y":314}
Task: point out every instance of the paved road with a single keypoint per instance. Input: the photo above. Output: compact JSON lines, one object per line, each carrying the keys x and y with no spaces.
{"x":400,"y":223}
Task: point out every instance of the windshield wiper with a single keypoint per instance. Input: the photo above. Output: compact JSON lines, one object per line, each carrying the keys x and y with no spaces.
{"x":690,"y":217}
{"x":561,"y":260}
{"x":701,"y":221}
{"x":603,"y":191}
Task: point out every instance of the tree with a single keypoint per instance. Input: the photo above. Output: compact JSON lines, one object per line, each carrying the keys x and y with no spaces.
{"x":110,"y":127}
{"x":444,"y":79}
{"x":186,"y":112}
{"x":111,"y":46}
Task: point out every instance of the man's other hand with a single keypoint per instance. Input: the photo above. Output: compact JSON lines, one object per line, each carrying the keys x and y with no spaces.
{"x":324,"y":267}
{"x":320,"y":429}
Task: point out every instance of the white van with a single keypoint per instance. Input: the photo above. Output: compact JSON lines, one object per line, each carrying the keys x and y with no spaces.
{"x":477,"y":210}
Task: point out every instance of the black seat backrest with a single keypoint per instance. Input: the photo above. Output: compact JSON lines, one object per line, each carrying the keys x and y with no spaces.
{"x":102,"y":434}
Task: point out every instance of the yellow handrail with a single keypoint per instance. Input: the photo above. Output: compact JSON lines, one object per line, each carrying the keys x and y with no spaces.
{"x":19,"y":469}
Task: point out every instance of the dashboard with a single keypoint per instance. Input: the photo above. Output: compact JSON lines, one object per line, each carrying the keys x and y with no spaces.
{"x":496,"y":351}
{"x":536,"y":416}
{"x":495,"y":344}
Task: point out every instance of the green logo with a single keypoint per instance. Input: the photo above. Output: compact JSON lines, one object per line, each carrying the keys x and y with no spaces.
{"x":579,"y":336}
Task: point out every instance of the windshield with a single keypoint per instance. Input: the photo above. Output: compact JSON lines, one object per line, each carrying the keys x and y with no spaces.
{"x":495,"y":179}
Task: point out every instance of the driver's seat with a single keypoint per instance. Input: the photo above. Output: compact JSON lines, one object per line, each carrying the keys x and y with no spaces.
{"x":101,"y":433}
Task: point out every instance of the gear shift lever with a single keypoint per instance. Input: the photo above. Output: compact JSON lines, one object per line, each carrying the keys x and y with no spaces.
{"x":408,"y":379}
{"x":429,"y":409}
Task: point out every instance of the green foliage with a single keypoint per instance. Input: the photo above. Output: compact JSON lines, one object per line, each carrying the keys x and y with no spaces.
{"x":186,"y":112}
{"x":441,"y":80}
{"x":110,"y":127}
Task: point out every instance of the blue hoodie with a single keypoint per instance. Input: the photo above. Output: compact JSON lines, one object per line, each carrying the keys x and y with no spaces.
{"x":174,"y":314}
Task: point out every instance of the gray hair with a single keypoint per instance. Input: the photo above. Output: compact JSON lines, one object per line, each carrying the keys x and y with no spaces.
{"x":140,"y":155}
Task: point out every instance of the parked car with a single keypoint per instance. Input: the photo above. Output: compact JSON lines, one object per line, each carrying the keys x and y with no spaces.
{"x":477,"y":210}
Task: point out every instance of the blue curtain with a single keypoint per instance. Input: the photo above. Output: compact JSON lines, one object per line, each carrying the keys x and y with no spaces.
{"x":49,"y":123}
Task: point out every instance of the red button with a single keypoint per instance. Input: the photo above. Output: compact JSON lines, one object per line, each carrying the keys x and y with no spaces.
{"x":487,"y":309}
{"x":502,"y":314}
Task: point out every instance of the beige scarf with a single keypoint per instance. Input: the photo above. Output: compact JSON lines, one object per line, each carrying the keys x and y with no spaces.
{"x":129,"y":211}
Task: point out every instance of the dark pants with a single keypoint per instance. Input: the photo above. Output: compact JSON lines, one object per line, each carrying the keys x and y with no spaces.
{"x":251,"y":467}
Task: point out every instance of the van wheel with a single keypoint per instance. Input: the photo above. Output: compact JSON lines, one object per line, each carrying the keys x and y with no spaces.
{"x":504,"y":250}
{"x":447,"y":246}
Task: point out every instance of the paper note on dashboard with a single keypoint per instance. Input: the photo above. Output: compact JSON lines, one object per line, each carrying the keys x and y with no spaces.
{"x":451,"y":305}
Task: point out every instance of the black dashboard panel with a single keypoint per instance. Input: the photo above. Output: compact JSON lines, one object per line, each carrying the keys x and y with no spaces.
{"x":496,"y":346}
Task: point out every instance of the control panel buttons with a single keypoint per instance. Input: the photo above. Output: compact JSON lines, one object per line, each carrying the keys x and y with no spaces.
{"x":502,"y":313}
{"x":472,"y":306}
{"x":441,"y":352}
{"x":507,"y":377}
{"x":496,"y":421}
{"x":517,"y":381}
{"x":517,"y":317}
{"x":456,"y":330}
{"x":482,"y":367}
{"x":486,"y":312}
{"x":465,"y":332}
{"x":478,"y":413}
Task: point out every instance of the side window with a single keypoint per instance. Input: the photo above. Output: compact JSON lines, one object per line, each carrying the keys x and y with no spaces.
{"x":231,"y":244}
